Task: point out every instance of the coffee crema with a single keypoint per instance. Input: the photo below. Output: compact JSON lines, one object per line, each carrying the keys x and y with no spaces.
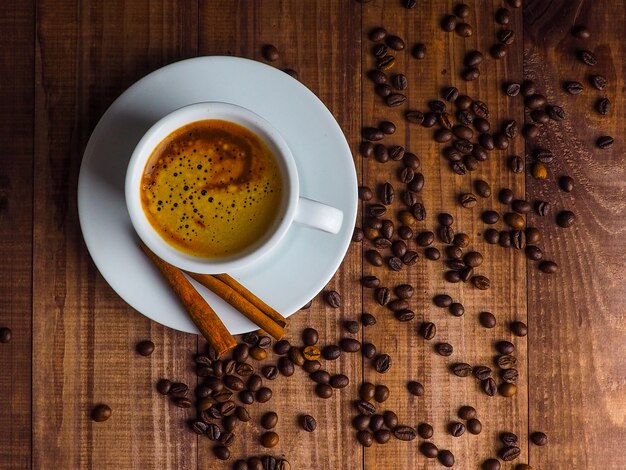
{"x":211,"y":188}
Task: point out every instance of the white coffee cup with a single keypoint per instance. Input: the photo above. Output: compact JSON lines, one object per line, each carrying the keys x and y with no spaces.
{"x":294,"y":208}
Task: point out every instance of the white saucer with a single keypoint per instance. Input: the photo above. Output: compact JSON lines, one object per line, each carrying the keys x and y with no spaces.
{"x":305,"y":260}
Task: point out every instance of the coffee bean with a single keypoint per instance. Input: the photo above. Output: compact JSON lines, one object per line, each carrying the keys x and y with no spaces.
{"x":465,"y":117}
{"x":163,"y":386}
{"x":442,"y":300}
{"x":504,"y":239}
{"x":498,"y":51}
{"x":382,"y":363}
{"x":487,"y":319}
{"x":463,"y":146}
{"x":372,"y":133}
{"x":429,"y":450}
{"x":377,"y":34}
{"x":505,"y":347}
{"x":395,"y":99}
{"x":387,"y":127}
{"x":399,"y":82}
{"x":377,"y":76}
{"x":409,"y":258}
{"x":361,"y":422}
{"x":521,"y":206}
{"x":394,"y":42}
{"x":482,"y":372}
{"x":387,"y":194}
{"x":308,"y":423}
{"x":456,"y":429}
{"x":395,"y":263}
{"x":474,"y":426}
{"x":506,"y":36}
{"x":603,"y":106}
{"x":442,"y":135}
{"x":510,"y":375}
{"x":506,"y":361}
{"x":599,"y":82}
{"x":509,"y":439}
{"x":432,"y":253}
{"x":311,"y":366}
{"x":428,"y":330}
{"x":324,"y":391}
{"x":450,"y":93}
{"x":331,"y":352}
{"x":446,"y":458}
{"x":456,"y":309}
{"x":382,"y":295}
{"x":145,"y":348}
{"x":565,"y":219}
{"x":365,"y":193}
{"x":538,"y":438}
{"x":446,"y":234}
{"x":580,"y":31}
{"x":448,"y":23}
{"x":464,"y":30}
{"x":491,"y":236}
{"x":519,"y":328}
{"x":444,"y":349}
{"x":269,"y":439}
{"x":604,"y":142}
{"x":234,"y":383}
{"x":425,"y":430}
{"x":566,"y":183}
{"x":461,"y":369}
{"x":404,"y":291}
{"x":491,"y":464}
{"x":339,"y":381}
{"x":381,"y":393}
{"x":365,"y":438}
{"x":102,"y":413}
{"x":270,"y":52}
{"x":503,"y":16}
{"x":351,"y":326}
{"x":473,"y":259}
{"x":488,"y":386}
{"x":385,"y":63}
{"x":179,"y":389}
{"x":588,"y":57}
{"x":404,"y":433}
{"x":539,"y":116}
{"x":467,"y":200}
{"x":379,"y":51}
{"x":528,"y":88}
{"x":221,"y":452}
{"x":490,"y":217}
{"x":383,"y":90}
{"x":398,"y":304}
{"x":512,"y":89}
{"x":556,"y":113}
{"x":467,"y":412}
{"x":573,"y":88}
{"x":333,"y":298}
{"x":509,"y":453}
{"x":452,"y":276}
{"x":530,"y":131}
{"x":365,"y":407}
{"x":349,"y":345}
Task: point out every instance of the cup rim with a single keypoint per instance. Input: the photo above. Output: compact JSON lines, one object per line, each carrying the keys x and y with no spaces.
{"x":183,"y":116}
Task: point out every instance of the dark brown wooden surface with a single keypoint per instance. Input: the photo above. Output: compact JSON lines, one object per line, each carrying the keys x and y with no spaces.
{"x":63,"y":63}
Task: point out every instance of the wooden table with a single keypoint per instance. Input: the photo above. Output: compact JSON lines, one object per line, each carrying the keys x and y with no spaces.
{"x":63,"y":63}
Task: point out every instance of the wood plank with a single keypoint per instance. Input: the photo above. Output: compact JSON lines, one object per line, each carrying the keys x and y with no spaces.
{"x":414,"y":358}
{"x":576,"y":317}
{"x":322,"y":45}
{"x":83,"y":334}
{"x":16,"y":200}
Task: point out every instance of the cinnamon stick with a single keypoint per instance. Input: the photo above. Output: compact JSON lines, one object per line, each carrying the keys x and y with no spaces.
{"x":243,"y":305}
{"x":253,"y":299}
{"x":198,"y":309}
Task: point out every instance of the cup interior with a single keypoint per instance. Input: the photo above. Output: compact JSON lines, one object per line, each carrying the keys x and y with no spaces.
{"x":198,"y":112}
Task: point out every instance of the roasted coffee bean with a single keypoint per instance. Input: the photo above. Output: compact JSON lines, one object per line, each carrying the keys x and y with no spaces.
{"x":296,"y":356}
{"x":270,"y":52}
{"x":456,"y":264}
{"x":456,"y":429}
{"x":510,"y":375}
{"x":450,"y":93}
{"x":387,"y":194}
{"x":444,"y":120}
{"x":474,"y":426}
{"x":308,"y":423}
{"x":509,"y":453}
{"x":394,"y":42}
{"x":103,"y":412}
{"x":580,"y":31}
{"x":398,"y":304}
{"x":511,"y":129}
{"x":381,"y":393}
{"x":509,"y":439}
{"x":486,"y":141}
{"x":503,"y":16}
{"x":365,"y":438}
{"x":461,"y":369}
{"x":234,"y":383}
{"x":320,"y":377}
{"x":442,"y":135}
{"x":491,"y":464}
{"x":311,"y":366}
{"x":501,"y":141}
{"x":467,"y":200}
{"x":473,"y":259}
{"x":448,"y":23}
{"x":386,"y":231}
{"x":418,"y":212}
{"x":379,"y":51}
{"x":444,"y":349}
{"x":382,"y":363}
{"x":246,"y":397}
{"x":481,"y":282}
{"x":430,"y":119}
{"x":383,"y":90}
{"x":381,"y":154}
{"x":382,"y":242}
{"x":221,"y":452}
{"x":372,"y":133}
{"x":367,"y":319}
{"x":199,"y":427}
{"x":412,"y":161}
{"x":269,"y":439}
{"x":473,"y":58}
{"x":283,"y":346}
{"x":539,"y":438}
{"x":452,"y":276}
{"x":387,"y":127}
{"x":467,"y":412}
{"x":512,"y":89}
{"x":490,"y":217}
{"x":464,"y":30}
{"x":227,"y":408}
{"x":603,"y":106}
{"x":482,"y":372}
{"x":442,"y":300}
{"x":506,"y":361}
{"x":145,"y":348}
{"x":599,"y":82}
{"x":445,"y":234}
{"x":463,"y":146}
{"x":518,"y":239}
{"x":488,"y":386}
{"x":604,"y":142}
{"x":399,"y":82}
{"x":377,"y":76}
{"x":182,"y":402}
{"x":519,"y":328}
{"x":409,"y":258}
{"x":425,"y":430}
{"x":504,"y":239}
{"x":366,"y":281}
{"x":414,"y":116}
{"x":398,"y":248}
{"x":324,"y":391}
{"x":465,"y":117}
{"x":487,"y":319}
{"x":395,"y":263}
{"x":365,"y":193}
{"x":446,"y":458}
{"x":565,"y":219}
{"x":491,"y":236}
{"x":429,"y":450}
{"x":349,"y":345}
{"x":456,"y":309}
{"x":351,"y":326}
{"x":257,"y":353}
{"x":242,"y":414}
{"x":566,"y":183}
{"x":366,"y":149}
{"x":386,"y":63}
{"x":407,"y":175}
{"x":528,"y":88}
{"x":331,"y":352}
{"x":573,"y":88}
{"x":163,"y":386}
{"x":506,"y":36}
{"x":361,"y":422}
{"x":437,"y":106}
{"x":382,"y":295}
{"x":470,"y":74}
{"x":404,"y":433}
{"x":213,"y":431}
{"x":339,"y":381}
{"x":539,"y":171}
{"x":365,"y":407}
{"x":588,"y":57}
{"x":377,"y":34}
{"x":454,"y":252}
{"x":395,"y":99}
{"x":521,"y":206}
{"x":556,"y":113}
{"x":498,"y":51}
{"x":179,"y":389}
{"x":333,"y":298}
{"x":505,"y":347}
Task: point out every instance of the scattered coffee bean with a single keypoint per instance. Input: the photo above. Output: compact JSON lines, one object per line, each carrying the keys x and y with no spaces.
{"x":464,"y":30}
{"x":444,"y":349}
{"x":491,"y":464}
{"x":481,"y":282}
{"x":221,"y":452}
{"x":512,"y":89}
{"x":179,"y":389}
{"x":333,"y":298}
{"x":404,"y":433}
{"x":588,"y":58}
{"x":324,"y":391}
{"x":270,"y":52}
{"x":503,"y":16}
{"x":566,"y":183}
{"x":365,"y":438}
{"x":467,"y":412}
{"x":269,"y":420}
{"x":419,"y":51}
{"x":509,"y":439}
{"x":490,"y":217}
{"x":429,"y":450}
{"x":385,"y":63}
{"x":394,"y":42}
{"x":428,"y":330}
{"x":505,"y":347}
{"x":573,"y":88}
{"x":349,"y":345}
{"x":382,"y":363}
{"x":538,"y":438}
{"x":604,"y":142}
{"x":308,"y":423}
{"x":548,"y":267}
{"x":448,"y":23}
{"x":499,"y":50}
{"x":603,"y":106}
{"x":467,"y":200}
{"x":482,"y":372}
{"x":474,"y":426}
{"x":456,"y":309}
{"x":509,"y":453}
{"x":456,"y":429}
{"x":283,"y":346}
{"x":487,"y":319}
{"x":446,"y":458}
{"x":488,"y":386}
{"x":599,"y":82}
{"x":581,"y":32}
{"x":377,"y":34}
{"x":432,"y":253}
{"x":372,"y":133}
{"x":519,"y":328}
{"x":565,"y":219}
{"x":269,"y":439}
{"x":101,"y":413}
{"x":145,"y":348}
{"x":510,"y":375}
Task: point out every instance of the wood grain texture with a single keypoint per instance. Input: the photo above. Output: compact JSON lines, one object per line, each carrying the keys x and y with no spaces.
{"x":83,"y":334}
{"x":577,"y":322}
{"x":415,"y":358}
{"x":16,"y":218}
{"x":310,"y":41}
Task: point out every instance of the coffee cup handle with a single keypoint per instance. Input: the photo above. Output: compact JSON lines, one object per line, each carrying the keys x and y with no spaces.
{"x":318,"y":216}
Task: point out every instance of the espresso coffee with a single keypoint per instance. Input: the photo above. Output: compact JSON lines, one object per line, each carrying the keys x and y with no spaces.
{"x":212,"y":188}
